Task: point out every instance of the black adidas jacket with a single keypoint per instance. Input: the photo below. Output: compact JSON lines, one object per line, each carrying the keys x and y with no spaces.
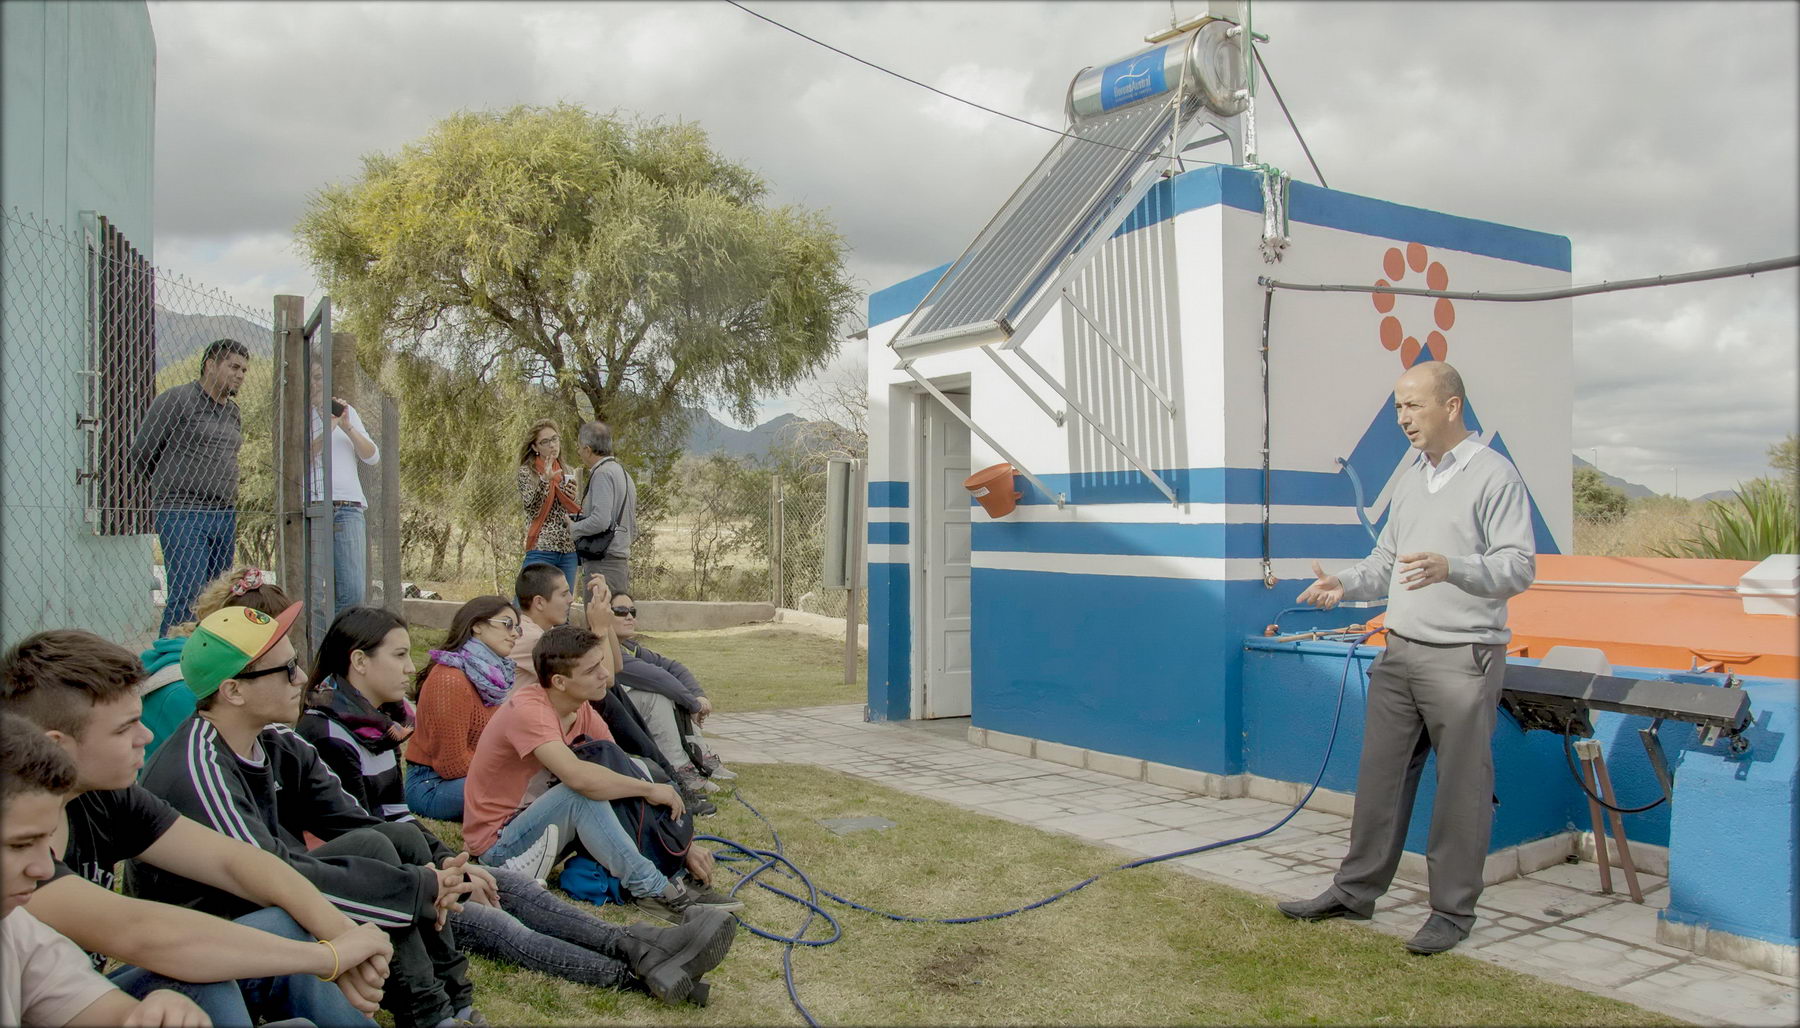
{"x":196,"y":772}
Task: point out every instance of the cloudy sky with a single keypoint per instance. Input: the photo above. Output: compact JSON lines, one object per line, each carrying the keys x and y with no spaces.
{"x":1659,"y":137}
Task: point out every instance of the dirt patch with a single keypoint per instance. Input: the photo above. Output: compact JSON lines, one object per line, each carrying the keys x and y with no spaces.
{"x":962,"y":968}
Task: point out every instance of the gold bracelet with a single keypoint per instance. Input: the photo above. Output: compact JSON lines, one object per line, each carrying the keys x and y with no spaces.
{"x":336,"y":966}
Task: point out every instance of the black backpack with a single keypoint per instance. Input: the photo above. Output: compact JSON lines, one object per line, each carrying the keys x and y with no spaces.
{"x":660,"y":837}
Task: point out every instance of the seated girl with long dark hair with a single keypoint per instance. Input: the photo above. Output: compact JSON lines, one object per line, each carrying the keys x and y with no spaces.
{"x":457,"y":693}
{"x":357,"y":717}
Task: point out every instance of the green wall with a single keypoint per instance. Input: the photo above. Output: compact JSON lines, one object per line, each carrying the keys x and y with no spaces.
{"x":78,"y":84}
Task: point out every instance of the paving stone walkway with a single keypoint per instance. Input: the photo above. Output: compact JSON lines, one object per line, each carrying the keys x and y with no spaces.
{"x":1553,"y":923}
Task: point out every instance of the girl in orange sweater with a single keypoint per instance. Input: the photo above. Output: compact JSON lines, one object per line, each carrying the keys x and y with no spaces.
{"x":456,"y":695}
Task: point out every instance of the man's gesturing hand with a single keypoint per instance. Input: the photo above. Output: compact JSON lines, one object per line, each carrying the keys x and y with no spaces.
{"x":1324,"y":593}
{"x":1418,"y":570}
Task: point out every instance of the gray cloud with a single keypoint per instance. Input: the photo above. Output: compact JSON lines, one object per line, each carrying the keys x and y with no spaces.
{"x":1658,"y":137}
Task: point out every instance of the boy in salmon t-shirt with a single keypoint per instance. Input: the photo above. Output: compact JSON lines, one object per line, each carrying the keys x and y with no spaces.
{"x":526,"y":782}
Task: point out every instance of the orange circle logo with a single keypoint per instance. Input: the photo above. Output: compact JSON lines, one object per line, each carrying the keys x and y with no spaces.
{"x":1395,"y":265}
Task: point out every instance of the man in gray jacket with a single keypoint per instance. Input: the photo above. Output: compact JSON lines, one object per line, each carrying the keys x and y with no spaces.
{"x":1457,"y":545}
{"x":187,"y":447}
{"x":609,"y":504}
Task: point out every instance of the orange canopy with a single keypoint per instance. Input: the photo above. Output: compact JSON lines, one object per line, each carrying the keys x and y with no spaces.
{"x":1661,"y":628}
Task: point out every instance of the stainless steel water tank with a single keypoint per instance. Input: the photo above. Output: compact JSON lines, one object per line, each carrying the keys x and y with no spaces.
{"x":1211,"y":55}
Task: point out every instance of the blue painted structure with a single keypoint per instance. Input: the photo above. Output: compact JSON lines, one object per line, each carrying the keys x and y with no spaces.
{"x":1731,"y":831}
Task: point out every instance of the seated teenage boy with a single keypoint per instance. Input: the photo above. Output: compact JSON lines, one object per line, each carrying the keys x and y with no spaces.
{"x":81,"y":691}
{"x":238,"y":768}
{"x":526,"y":780}
{"x":669,"y":698}
{"x":544,"y":600}
{"x":44,"y":979}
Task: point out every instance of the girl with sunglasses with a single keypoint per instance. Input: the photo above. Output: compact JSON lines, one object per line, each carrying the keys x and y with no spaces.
{"x":358,"y":719}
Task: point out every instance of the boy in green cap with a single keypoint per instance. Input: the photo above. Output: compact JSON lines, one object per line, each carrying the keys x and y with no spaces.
{"x":237,"y":767}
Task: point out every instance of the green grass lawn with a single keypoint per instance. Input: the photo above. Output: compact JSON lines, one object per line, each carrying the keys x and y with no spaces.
{"x":1147,"y":946}
{"x":769,"y":668}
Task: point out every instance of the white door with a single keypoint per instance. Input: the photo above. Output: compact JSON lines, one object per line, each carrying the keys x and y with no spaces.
{"x":944,"y":514}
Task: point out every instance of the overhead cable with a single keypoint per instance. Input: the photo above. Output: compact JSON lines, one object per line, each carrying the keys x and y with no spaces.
{"x":1065,"y":133}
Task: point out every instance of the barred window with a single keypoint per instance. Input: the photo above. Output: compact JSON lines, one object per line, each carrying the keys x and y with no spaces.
{"x":120,"y":380}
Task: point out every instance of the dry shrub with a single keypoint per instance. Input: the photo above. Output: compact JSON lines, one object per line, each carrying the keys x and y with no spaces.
{"x":1653,"y":524}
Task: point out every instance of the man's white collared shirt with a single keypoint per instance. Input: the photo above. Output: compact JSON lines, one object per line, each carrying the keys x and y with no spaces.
{"x":1436,"y":475}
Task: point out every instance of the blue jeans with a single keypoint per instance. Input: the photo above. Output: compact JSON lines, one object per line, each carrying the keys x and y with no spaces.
{"x":197,"y":547}
{"x":567,"y":561}
{"x":429,"y":794}
{"x":535,"y":929}
{"x":248,"y":1000}
{"x":593,"y":824}
{"x":350,"y":556}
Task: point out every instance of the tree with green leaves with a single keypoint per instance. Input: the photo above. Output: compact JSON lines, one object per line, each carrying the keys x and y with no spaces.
{"x":1784,"y":457}
{"x":1596,"y":500}
{"x":623,"y":267}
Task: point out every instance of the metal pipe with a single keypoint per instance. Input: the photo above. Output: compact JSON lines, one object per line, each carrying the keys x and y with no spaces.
{"x":1268,"y":564}
{"x":1753,"y":268}
{"x":1099,"y":426}
{"x":957,"y":413}
{"x":1019,"y":380}
{"x":1639,"y":585}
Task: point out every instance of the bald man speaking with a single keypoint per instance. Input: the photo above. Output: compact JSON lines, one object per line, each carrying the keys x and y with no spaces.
{"x":1456,"y":546}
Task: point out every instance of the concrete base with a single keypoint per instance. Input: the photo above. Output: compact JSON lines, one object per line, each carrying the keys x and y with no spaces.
{"x":818,"y":624}
{"x":1758,"y":953}
{"x":653,"y":615}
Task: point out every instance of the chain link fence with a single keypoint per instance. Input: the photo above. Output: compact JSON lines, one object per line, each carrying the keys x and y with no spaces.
{"x":141,"y":461}
{"x":130,"y":474}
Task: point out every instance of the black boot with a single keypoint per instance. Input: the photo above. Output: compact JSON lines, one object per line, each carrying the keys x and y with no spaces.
{"x":670,"y":961}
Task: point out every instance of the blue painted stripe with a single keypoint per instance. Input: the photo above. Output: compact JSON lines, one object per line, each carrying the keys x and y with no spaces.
{"x":890,"y":641}
{"x":1308,"y":204}
{"x":1234,"y":540}
{"x":888,"y":494}
{"x":899,"y":299}
{"x":1200,"y":485}
{"x":887,"y":531}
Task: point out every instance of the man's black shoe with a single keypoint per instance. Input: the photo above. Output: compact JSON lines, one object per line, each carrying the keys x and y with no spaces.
{"x":1321,"y":907}
{"x":1437,"y":935}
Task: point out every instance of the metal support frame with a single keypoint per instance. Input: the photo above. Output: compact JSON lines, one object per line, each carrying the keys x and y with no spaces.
{"x":956,"y":412}
{"x":1130,"y":362}
{"x":1105,"y":433}
{"x":1025,"y":387}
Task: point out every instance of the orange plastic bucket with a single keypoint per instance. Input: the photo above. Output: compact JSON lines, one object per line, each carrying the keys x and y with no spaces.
{"x":993,"y":489}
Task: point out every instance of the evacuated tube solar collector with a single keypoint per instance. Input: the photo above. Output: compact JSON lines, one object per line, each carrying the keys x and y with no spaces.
{"x":1129,"y":120}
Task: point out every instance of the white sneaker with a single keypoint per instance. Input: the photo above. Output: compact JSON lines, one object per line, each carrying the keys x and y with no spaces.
{"x":538,"y":859}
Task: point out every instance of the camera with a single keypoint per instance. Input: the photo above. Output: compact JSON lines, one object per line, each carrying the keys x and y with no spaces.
{"x":337,"y":407}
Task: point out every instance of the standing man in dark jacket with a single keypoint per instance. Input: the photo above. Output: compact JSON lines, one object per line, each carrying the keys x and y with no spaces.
{"x":608,"y":505}
{"x":187,"y":447}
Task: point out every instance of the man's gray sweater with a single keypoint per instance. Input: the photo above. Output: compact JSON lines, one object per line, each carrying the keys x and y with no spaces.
{"x":1480,"y":520}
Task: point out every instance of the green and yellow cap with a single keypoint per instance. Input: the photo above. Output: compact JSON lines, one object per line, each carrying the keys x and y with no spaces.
{"x":226,"y":642}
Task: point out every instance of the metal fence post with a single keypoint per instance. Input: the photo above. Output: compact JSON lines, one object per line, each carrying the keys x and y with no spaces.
{"x":390,"y":512}
{"x":775,"y":532}
{"x":853,"y":561}
{"x":288,"y":440}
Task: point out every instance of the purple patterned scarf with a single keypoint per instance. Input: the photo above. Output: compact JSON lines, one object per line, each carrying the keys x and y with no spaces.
{"x":489,"y":672}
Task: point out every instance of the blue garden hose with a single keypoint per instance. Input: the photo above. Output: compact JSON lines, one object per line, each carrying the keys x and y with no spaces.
{"x":769,"y":859}
{"x":1356,"y":486}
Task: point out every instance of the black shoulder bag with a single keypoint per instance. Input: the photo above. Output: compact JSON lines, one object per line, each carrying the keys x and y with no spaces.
{"x":594,"y":547}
